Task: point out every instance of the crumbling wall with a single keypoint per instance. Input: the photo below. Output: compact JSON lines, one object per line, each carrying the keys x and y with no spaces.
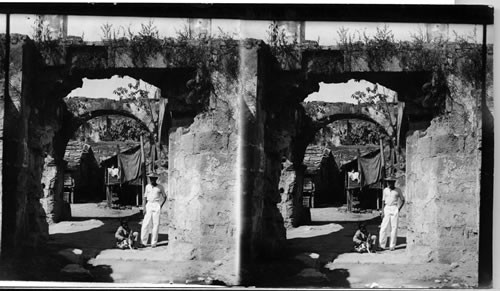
{"x":10,"y":135}
{"x":291,"y":187}
{"x":32,"y":120}
{"x":52,"y":185}
{"x":442,"y":182}
{"x":202,"y":213}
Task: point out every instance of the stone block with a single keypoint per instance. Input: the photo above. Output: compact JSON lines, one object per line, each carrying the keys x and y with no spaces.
{"x":186,"y":143}
{"x":458,"y":168}
{"x":214,"y":164}
{"x":218,"y":214}
{"x":211,"y":141}
{"x":83,"y":57}
{"x":446,"y":145}
{"x":76,"y":272}
{"x":458,"y":191}
{"x":424,"y":146}
{"x":72,"y":255}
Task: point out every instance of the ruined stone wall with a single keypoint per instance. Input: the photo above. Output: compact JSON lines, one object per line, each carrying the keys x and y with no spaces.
{"x":31,"y":123}
{"x":10,"y":135}
{"x":442,"y":182}
{"x":202,"y":213}
{"x":253,"y":161}
{"x":291,"y":184}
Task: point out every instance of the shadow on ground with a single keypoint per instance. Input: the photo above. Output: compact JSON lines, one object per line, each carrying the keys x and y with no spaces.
{"x":45,"y":264}
{"x":289,"y":272}
{"x":92,"y":242}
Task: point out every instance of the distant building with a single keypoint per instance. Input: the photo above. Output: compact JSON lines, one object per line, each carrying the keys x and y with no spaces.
{"x":200,"y":27}
{"x":294,"y":30}
{"x":437,"y":31}
{"x":83,"y":168}
{"x":322,"y":180}
{"x":57,"y":25}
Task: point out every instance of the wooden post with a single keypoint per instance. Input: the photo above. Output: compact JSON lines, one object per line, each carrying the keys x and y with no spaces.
{"x":383,"y":171}
{"x":106,"y":182}
{"x":349,"y":200}
{"x":118,"y":165}
{"x":143,"y":171}
{"x":136,"y":199}
{"x":392,"y":157}
{"x":361,"y":178}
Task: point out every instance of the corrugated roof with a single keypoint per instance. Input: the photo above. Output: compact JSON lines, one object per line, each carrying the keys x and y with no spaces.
{"x":313,"y":157}
{"x":74,"y":152}
{"x":346,"y":154}
{"x":104,"y":150}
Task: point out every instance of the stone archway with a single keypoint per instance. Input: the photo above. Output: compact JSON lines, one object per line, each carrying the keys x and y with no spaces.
{"x":323,"y":113}
{"x":84,"y":109}
{"x":202,"y":133}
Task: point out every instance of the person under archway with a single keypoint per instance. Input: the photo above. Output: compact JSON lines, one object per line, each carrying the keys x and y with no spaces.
{"x":393,"y":199}
{"x":125,"y":237}
{"x":155,"y":197}
{"x":363,"y":240}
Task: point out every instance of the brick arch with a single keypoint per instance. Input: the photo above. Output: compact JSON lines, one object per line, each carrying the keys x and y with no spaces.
{"x":84,"y":109}
{"x":323,"y":113}
{"x":343,"y":116}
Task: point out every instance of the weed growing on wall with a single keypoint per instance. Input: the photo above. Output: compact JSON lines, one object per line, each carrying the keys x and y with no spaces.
{"x":205,"y":53}
{"x":284,"y":49}
{"x":49,"y":46}
{"x":441,"y":56}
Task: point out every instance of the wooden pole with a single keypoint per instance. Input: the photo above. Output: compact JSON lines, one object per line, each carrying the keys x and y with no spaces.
{"x":136,"y":198}
{"x":361,"y":178}
{"x":143,"y":171}
{"x":392,"y":158}
{"x":106,"y":181}
{"x":382,"y":157}
{"x":118,"y":164}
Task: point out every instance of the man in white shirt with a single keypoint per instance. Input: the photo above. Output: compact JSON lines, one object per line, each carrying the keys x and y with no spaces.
{"x":393,"y":200}
{"x":155,"y":198}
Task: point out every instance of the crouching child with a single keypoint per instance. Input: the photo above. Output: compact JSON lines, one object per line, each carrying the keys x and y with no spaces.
{"x":125,"y":238}
{"x":363,"y":240}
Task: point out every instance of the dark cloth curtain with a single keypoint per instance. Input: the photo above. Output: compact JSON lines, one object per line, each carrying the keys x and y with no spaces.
{"x":130,"y":166}
{"x":370,"y":169}
{"x":162,"y":129}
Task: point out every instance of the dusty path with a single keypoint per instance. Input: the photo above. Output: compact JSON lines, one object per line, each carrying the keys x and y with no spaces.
{"x":321,"y":255}
{"x":92,"y":231}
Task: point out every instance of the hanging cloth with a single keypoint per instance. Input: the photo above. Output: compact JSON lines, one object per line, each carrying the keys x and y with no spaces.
{"x":370,"y":169}
{"x":162,"y":128}
{"x":130,"y":165}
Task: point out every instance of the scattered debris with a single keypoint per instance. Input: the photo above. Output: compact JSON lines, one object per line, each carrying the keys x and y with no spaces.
{"x":71,"y":255}
{"x":455,"y":285}
{"x":314,"y":256}
{"x":374,"y":285}
{"x":313,"y":274}
{"x":454,"y":265}
{"x":437,"y":281}
{"x":76,"y":271}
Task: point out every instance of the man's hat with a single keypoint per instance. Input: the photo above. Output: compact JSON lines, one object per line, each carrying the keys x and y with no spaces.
{"x":153,"y":175}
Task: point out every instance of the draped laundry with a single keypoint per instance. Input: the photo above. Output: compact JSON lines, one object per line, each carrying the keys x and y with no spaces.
{"x":370,"y":169}
{"x":130,"y":165}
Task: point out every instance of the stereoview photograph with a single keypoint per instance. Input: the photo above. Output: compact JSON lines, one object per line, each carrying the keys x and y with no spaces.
{"x":213,"y":149}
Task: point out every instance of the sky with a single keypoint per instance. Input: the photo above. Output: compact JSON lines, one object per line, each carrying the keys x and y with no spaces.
{"x":326,"y":33}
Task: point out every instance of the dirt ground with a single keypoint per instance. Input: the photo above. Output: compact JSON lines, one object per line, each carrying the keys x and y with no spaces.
{"x":319,"y":255}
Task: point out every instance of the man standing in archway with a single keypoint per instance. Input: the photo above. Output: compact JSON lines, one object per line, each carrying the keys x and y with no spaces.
{"x":393,"y":200}
{"x":155,"y":198}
